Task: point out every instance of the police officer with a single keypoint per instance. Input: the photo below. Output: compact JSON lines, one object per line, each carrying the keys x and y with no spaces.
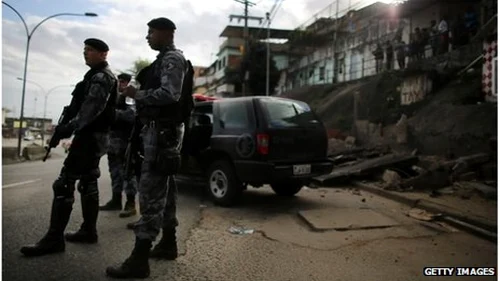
{"x":157,"y":106}
{"x":118,"y":137}
{"x":91,"y":113}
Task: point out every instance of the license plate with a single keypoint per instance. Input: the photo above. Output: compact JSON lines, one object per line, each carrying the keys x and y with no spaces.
{"x":301,"y":169}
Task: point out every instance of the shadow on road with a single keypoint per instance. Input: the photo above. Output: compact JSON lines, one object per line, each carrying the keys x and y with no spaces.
{"x":259,"y":201}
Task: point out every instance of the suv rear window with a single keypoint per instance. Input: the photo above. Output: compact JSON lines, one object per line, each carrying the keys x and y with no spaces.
{"x":287,"y":113}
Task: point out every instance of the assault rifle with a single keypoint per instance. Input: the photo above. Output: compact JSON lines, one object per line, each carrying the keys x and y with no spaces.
{"x":54,"y":140}
{"x":133,"y":148}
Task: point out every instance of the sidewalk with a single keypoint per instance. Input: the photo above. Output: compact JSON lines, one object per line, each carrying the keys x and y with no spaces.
{"x":476,"y":215}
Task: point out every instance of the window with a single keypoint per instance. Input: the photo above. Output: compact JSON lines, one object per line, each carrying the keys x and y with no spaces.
{"x":233,"y":115}
{"x":322,"y":73}
{"x":284,"y":113}
{"x":341,"y":65}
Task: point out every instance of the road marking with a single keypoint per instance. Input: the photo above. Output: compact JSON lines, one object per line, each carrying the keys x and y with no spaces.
{"x":20,"y":183}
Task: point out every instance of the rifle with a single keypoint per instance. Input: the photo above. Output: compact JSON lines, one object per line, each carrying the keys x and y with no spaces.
{"x":132,"y":148}
{"x":54,"y":140}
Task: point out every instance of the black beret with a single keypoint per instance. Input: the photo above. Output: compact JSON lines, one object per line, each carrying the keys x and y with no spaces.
{"x":162,"y":24}
{"x":97,"y":44}
{"x":125,"y":76}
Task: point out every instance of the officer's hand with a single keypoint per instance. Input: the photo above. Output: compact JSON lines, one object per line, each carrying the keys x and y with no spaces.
{"x":129,"y":91}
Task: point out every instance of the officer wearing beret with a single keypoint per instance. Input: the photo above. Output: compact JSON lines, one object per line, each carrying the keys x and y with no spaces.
{"x":157,"y":105}
{"x":88,"y":117}
{"x":118,"y":141}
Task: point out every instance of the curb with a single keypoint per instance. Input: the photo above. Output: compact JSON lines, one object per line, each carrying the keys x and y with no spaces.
{"x":473,"y":225}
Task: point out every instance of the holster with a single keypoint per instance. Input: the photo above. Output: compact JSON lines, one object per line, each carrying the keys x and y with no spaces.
{"x":168,"y":158}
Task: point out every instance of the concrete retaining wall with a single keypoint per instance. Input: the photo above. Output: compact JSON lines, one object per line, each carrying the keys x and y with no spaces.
{"x":33,"y":153}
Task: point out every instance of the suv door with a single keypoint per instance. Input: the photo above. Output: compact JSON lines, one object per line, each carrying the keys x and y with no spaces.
{"x":233,"y":120}
{"x":197,"y":137}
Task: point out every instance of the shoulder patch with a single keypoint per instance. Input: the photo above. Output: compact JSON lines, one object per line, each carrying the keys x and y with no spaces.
{"x":99,"y":76}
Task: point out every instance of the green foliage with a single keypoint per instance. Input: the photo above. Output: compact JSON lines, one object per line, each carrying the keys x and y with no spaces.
{"x":254,"y":62}
{"x":233,"y":76}
{"x":138,"y":65}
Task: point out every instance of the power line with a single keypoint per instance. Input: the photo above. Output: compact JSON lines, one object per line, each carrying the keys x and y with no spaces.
{"x":274,"y":10}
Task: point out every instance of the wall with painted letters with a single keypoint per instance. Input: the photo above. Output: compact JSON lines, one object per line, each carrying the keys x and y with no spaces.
{"x":415,"y":88}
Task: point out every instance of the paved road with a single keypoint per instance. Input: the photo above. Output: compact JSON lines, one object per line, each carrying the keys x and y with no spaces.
{"x":26,"y":199}
{"x":282,"y":246}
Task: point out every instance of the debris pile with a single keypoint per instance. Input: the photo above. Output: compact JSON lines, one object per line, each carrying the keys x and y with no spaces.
{"x":464,"y":176}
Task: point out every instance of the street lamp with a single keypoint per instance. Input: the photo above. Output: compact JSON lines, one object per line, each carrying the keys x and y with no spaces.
{"x":29,"y":36}
{"x":46,"y":96}
{"x":45,"y":107}
{"x":39,"y":86}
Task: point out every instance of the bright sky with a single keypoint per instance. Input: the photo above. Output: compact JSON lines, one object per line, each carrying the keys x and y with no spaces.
{"x":55,"y":56}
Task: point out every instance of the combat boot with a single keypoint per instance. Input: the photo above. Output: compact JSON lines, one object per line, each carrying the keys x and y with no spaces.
{"x":88,"y":231}
{"x":129,"y":209}
{"x":53,"y":241}
{"x":167,"y":247}
{"x":135,"y":266}
{"x":115,"y":204}
{"x":132,"y":225}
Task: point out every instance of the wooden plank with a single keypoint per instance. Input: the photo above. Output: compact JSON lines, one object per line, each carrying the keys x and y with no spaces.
{"x":366,"y":168}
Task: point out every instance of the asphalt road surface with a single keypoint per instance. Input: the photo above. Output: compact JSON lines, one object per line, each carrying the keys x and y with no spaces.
{"x":27,"y":195}
{"x":280,"y":245}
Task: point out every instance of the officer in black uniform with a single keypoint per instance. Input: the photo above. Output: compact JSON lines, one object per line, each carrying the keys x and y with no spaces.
{"x":159,"y":110}
{"x":88,"y":117}
{"x":121,"y":180}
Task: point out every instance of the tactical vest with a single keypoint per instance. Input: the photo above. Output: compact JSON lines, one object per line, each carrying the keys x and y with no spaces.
{"x":166,"y":113}
{"x":103,"y":122}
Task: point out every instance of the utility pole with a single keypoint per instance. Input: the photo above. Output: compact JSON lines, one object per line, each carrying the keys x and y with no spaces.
{"x":245,"y":17}
{"x":268,"y":53}
{"x":334,"y":49}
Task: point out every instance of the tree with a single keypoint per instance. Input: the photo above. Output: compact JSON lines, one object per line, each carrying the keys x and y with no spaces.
{"x":254,"y":61}
{"x":138,"y":65}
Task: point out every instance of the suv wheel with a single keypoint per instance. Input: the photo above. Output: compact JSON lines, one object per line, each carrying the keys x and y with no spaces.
{"x":223,"y":185}
{"x":287,"y":188}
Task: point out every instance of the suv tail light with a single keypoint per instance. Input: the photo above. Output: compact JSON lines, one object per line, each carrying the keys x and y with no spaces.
{"x":263,"y":144}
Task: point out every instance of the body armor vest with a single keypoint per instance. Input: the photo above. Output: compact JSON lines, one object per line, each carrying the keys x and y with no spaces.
{"x":166,"y":113}
{"x":103,"y":122}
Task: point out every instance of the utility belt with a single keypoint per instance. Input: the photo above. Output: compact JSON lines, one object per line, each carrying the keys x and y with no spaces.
{"x":159,"y":123}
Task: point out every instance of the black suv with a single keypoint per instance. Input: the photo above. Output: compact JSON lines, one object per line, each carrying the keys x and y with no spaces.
{"x":234,"y":142}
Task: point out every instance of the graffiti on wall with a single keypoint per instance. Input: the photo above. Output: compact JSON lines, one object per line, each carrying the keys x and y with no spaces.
{"x":415,"y":88}
{"x":490,"y":66}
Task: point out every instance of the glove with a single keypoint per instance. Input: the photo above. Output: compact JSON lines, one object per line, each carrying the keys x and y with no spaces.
{"x":64,"y":131}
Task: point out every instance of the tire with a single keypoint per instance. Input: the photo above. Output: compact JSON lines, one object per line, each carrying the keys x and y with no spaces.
{"x":287,"y":188}
{"x":224,"y":187}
